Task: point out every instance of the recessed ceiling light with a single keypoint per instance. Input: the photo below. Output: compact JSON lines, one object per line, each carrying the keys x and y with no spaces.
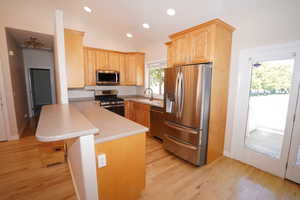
{"x":171,"y":12}
{"x":146,"y":26}
{"x":87,"y":9}
{"x":129,"y":35}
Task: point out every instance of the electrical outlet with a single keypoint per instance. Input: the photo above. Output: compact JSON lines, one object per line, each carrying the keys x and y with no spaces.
{"x":101,"y":160}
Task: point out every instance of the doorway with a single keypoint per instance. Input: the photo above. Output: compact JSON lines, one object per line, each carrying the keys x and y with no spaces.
{"x":40,"y":84}
{"x":268,"y":99}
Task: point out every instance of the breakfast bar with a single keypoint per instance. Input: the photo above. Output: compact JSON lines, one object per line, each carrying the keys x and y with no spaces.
{"x":100,"y":147}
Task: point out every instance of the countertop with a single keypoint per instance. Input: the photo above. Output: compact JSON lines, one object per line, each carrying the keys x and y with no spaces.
{"x":142,"y":99}
{"x":61,"y":122}
{"x":111,"y":126}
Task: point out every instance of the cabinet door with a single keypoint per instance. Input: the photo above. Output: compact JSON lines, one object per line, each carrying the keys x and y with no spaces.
{"x":142,"y":113}
{"x":123,"y":70}
{"x":131,"y":69}
{"x":171,"y":53}
{"x":181,"y":50}
{"x":114,"y":61}
{"x":140,"y":69}
{"x":74,"y":58}
{"x":200,"y":46}
{"x":90,"y":66}
{"x":101,"y":60}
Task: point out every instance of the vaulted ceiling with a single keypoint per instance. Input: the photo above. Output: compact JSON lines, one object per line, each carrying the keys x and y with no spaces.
{"x":118,"y":17}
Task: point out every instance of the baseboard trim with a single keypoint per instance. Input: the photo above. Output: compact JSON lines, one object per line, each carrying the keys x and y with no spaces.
{"x":14,"y":137}
{"x":73,"y":180}
{"x":227,"y":154}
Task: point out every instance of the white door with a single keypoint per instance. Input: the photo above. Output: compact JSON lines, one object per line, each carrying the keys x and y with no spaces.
{"x":266,"y":105}
{"x":293,"y":166}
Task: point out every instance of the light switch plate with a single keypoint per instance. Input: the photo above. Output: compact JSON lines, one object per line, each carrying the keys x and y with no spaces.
{"x":101,"y":160}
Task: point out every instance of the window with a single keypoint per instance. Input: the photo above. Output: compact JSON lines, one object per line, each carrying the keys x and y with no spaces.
{"x":156,"y":77}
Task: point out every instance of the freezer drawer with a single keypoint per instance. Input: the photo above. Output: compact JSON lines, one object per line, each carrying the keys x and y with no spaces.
{"x":185,"y":134}
{"x":190,"y":153}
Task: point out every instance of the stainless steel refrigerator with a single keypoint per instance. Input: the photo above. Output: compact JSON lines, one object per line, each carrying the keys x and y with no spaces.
{"x":187,"y":102}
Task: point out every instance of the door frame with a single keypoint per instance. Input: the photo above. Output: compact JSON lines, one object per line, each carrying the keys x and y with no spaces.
{"x":4,"y":111}
{"x":29,"y":87}
{"x":259,"y":160}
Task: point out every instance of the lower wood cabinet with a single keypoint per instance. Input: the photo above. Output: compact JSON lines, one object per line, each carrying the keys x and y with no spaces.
{"x":138,"y":112}
{"x":124,"y":175}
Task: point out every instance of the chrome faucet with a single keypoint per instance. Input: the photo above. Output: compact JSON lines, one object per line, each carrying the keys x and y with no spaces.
{"x":146,"y":90}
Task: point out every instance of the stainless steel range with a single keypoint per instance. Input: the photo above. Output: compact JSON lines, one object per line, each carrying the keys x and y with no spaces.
{"x":108,"y":99}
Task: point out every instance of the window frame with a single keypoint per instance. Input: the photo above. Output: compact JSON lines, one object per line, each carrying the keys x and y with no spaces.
{"x":154,"y":64}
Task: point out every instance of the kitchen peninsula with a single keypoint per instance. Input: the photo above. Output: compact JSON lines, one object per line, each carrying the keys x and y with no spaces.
{"x":90,"y":130}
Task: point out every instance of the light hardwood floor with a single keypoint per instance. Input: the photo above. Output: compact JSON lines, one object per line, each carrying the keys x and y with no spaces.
{"x":23,"y":177}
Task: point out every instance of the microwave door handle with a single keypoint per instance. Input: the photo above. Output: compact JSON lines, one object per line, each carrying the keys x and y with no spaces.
{"x":116,"y":74}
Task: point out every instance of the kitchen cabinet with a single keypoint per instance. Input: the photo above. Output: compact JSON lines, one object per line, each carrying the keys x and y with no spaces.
{"x":181,"y":50}
{"x":90,"y":66}
{"x":114,"y":61}
{"x":171,"y":53}
{"x":208,"y":42}
{"x":140,"y":69}
{"x":138,"y":112}
{"x":102,"y":61}
{"x":74,"y":58}
{"x":200,"y":44}
{"x":130,"y":72}
{"x":124,"y":175}
{"x":130,"y":65}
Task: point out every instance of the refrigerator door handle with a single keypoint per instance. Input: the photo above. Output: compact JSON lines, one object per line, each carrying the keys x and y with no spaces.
{"x":176,"y":93}
{"x":180,"y":128}
{"x":181,"y":93}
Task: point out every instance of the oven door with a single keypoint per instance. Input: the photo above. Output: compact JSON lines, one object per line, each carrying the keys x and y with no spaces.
{"x":107,"y":77}
{"x":118,"y":109}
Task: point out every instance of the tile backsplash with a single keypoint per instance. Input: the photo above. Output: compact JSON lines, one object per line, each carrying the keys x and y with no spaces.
{"x":88,"y":91}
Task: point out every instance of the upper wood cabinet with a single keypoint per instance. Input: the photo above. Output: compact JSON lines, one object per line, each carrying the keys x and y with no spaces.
{"x":130,"y":65}
{"x":201,"y":44}
{"x":140,"y":68}
{"x":102,"y":60}
{"x":181,"y":50}
{"x":130,"y":72}
{"x":195,"y":45}
{"x":114,"y":61}
{"x":74,"y":58}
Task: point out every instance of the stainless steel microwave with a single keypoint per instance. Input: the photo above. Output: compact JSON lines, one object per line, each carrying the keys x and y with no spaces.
{"x":107,"y":77}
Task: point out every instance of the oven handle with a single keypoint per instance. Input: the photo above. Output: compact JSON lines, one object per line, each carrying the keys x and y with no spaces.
{"x":113,"y":106}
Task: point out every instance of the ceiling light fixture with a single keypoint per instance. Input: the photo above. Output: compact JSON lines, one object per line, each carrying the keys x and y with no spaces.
{"x":129,"y":35}
{"x":146,"y":26}
{"x":87,"y":9}
{"x":171,"y":12}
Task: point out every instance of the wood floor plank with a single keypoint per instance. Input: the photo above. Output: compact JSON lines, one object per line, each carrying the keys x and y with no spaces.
{"x":23,"y":177}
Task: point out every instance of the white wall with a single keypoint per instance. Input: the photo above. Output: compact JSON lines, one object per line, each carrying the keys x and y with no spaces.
{"x":257,"y":23}
{"x":41,"y":59}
